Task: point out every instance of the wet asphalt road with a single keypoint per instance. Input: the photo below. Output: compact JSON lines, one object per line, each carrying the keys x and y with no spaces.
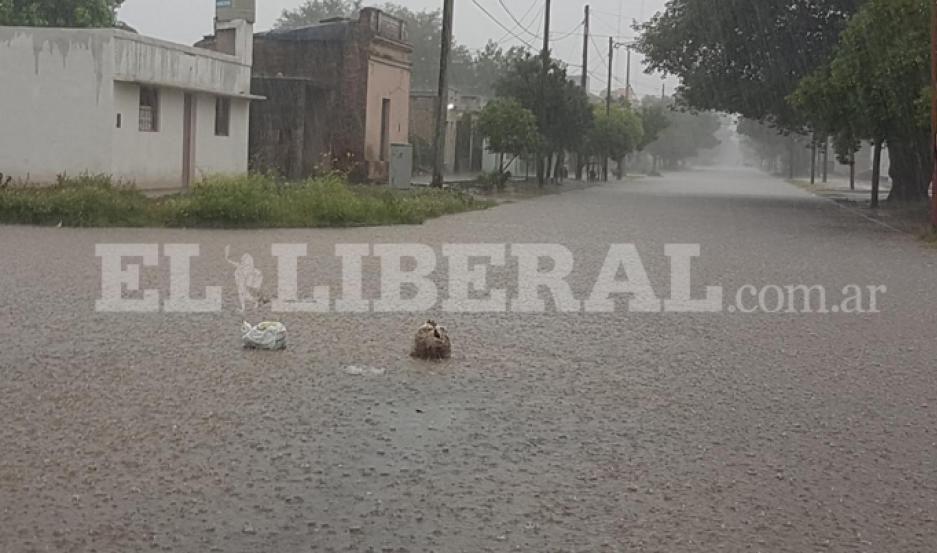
{"x":553,"y":432}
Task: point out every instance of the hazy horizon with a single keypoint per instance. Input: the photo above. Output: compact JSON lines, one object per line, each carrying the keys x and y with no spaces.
{"x":186,"y":21}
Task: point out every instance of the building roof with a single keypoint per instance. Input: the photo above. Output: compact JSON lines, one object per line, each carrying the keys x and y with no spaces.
{"x":326,"y":31}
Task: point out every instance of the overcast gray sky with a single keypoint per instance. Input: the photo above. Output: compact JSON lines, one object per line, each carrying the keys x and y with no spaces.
{"x":187,"y":21}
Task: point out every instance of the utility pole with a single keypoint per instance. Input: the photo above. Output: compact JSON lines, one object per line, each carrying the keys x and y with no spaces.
{"x":585,"y":80}
{"x":933,"y":212}
{"x":628,"y":75}
{"x":608,"y":98}
{"x":442,"y":104}
{"x":663,"y":93}
{"x":585,"y":53}
{"x":611,"y":56}
{"x":545,"y":63}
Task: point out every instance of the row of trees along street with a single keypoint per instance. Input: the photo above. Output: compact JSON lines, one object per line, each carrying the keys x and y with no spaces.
{"x":848,"y":71}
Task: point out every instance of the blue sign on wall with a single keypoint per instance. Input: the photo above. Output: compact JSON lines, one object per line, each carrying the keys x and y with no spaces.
{"x":222,"y":3}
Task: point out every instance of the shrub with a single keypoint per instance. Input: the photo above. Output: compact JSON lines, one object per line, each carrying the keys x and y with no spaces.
{"x":84,"y":201}
{"x":251,"y":201}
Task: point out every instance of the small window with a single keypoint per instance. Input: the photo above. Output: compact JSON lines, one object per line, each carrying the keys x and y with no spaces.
{"x":149,"y":109}
{"x":222,"y":116}
{"x":118,"y":120}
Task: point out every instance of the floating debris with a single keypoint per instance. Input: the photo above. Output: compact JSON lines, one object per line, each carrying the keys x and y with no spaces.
{"x":432,"y":342}
{"x":266,"y":335}
{"x":361,"y":370}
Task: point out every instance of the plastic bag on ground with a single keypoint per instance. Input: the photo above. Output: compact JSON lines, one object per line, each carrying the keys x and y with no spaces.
{"x":267,"y":335}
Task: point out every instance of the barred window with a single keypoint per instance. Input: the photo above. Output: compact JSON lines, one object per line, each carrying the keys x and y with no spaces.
{"x":149,"y":109}
{"x":222,"y":116}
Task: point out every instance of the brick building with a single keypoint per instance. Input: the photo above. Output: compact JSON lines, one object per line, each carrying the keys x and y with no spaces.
{"x":338,"y":96}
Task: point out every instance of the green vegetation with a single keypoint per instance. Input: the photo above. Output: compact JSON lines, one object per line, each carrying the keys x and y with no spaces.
{"x":800,"y":73}
{"x":253,"y":201}
{"x":681,"y":133}
{"x":744,"y":56}
{"x":876,"y":88}
{"x":49,"y":13}
{"x":510,"y":129}
{"x":615,"y":134}
{"x":566,"y":112}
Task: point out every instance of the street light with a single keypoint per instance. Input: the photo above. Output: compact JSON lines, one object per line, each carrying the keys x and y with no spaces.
{"x":612,"y":46}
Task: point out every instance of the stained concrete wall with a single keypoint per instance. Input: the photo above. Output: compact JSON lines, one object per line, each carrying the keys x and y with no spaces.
{"x":148,"y":60}
{"x":56,"y":99}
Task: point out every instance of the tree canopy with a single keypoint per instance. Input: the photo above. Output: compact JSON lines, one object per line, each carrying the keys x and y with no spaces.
{"x":56,"y":13}
{"x":509,"y":127}
{"x":616,"y":134}
{"x":743,"y":56}
{"x":876,"y":87}
{"x":686,"y":134}
{"x":568,"y":114}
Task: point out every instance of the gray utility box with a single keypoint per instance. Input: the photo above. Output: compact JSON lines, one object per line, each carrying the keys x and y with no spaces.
{"x":229,"y":10}
{"x":401,"y":165}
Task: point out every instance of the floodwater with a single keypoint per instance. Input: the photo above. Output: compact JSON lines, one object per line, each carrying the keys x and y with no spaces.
{"x":545,"y":432}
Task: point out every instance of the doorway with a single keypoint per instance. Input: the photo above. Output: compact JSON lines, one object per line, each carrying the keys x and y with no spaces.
{"x":385,"y":129}
{"x":188,"y":140}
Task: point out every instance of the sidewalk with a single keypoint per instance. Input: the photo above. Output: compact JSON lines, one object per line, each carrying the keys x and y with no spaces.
{"x":426,"y":180}
{"x":837,"y":188}
{"x":910,"y":219}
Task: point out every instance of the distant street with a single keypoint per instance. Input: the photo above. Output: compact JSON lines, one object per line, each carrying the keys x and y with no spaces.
{"x":545,"y":433}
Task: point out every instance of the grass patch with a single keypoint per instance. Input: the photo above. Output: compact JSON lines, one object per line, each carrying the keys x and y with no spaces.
{"x":252,"y":201}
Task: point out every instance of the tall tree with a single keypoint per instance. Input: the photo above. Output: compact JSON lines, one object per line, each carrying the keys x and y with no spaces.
{"x":509,"y":128}
{"x":59,"y":13}
{"x":743,"y":56}
{"x":568,"y":111}
{"x":686,"y":135}
{"x":616,"y":134}
{"x":877,"y":88}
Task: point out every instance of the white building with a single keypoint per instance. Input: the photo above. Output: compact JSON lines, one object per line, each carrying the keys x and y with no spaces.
{"x":107,"y":101}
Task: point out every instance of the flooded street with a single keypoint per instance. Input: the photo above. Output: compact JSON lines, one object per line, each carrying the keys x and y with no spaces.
{"x":545,"y":432}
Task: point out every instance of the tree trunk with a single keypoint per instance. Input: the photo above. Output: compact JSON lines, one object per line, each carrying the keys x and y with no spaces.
{"x":876,"y":172}
{"x":910,"y":169}
{"x":790,"y":165}
{"x":541,"y":178}
{"x":852,"y":172}
{"x":813,"y":161}
{"x":826,"y":160}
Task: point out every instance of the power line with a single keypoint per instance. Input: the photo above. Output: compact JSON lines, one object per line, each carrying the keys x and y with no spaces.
{"x":533,"y":4}
{"x":502,"y":25}
{"x":564,"y":36}
{"x":516,"y":22}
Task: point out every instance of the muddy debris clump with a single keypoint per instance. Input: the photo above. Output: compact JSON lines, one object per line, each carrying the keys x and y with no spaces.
{"x":432,"y":342}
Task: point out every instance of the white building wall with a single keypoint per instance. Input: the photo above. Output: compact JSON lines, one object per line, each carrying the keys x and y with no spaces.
{"x":221,"y":154}
{"x":151,"y":160}
{"x":62,"y":90}
{"x":56,"y":102}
